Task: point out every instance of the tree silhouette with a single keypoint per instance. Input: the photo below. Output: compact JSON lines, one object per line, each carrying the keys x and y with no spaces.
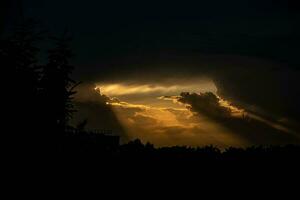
{"x":57,"y":85}
{"x":44,"y":93}
{"x":19,"y":52}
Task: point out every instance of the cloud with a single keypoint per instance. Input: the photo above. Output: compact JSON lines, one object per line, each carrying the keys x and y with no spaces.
{"x":138,"y":91}
{"x":249,"y":82}
{"x":205,"y":103}
{"x":95,"y":107}
{"x":172,"y":126}
{"x":255,"y":129}
{"x":194,"y":119}
{"x":269,"y":91}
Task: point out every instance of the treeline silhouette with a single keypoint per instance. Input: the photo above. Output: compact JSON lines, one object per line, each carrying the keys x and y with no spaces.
{"x":100,"y":146}
{"x":43,"y":107}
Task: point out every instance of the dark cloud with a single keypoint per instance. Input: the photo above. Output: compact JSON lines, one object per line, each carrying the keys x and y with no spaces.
{"x":252,"y":129}
{"x":205,"y":103}
{"x":92,"y":106}
{"x":273,"y":92}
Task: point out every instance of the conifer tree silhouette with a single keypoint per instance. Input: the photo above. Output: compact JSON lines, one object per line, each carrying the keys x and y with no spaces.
{"x":57,"y":85}
{"x":19,"y":52}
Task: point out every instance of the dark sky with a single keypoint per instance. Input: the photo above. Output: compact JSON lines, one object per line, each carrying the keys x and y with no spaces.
{"x":106,"y":30}
{"x":249,"y":48}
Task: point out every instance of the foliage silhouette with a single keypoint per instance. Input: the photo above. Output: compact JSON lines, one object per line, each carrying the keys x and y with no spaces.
{"x":19,"y":52}
{"x":43,"y":103}
{"x":57,"y":86}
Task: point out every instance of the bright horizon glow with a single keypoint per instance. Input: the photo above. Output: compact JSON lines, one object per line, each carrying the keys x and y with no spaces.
{"x":119,"y":89}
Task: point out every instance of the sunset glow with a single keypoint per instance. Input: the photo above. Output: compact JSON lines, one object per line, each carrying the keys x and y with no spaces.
{"x":162,"y":122}
{"x":154,"y":113}
{"x":119,"y":89}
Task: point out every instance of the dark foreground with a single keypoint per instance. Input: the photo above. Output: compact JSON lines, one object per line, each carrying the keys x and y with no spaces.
{"x":98,"y":163}
{"x":105,"y":150}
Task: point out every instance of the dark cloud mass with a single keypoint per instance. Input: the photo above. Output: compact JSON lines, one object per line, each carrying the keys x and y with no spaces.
{"x":92,"y":106}
{"x":275,"y":91}
{"x":205,"y":103}
{"x":251,"y":129}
